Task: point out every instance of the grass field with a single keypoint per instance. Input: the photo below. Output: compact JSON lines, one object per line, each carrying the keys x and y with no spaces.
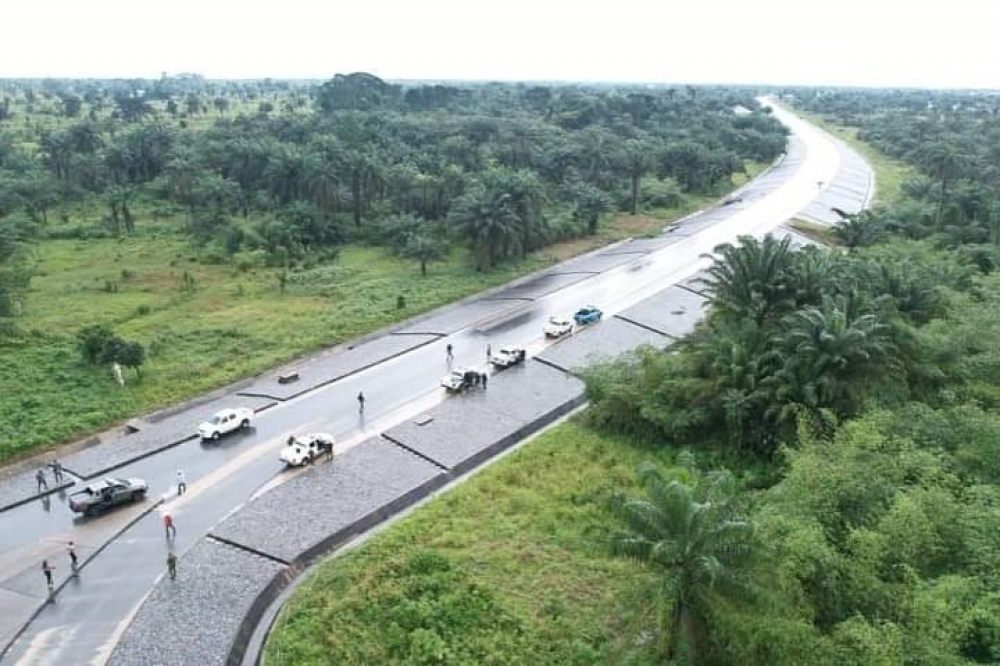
{"x":509,"y":568}
{"x":232,"y":324}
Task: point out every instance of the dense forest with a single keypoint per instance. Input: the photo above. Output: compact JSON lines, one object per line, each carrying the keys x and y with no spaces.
{"x":152,"y":223}
{"x":854,"y":392}
{"x":505,"y":169}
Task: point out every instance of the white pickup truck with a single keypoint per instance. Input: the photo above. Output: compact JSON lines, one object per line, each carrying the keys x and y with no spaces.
{"x":306,"y":448}
{"x":507,"y":357}
{"x":226,"y":421}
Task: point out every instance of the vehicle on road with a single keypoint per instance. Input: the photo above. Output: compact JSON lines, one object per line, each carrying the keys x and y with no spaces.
{"x":304,"y":449}
{"x":460,"y":379}
{"x":507,"y":357}
{"x":558,"y":327}
{"x":587,"y":315}
{"x":226,"y":421}
{"x":107,"y":493}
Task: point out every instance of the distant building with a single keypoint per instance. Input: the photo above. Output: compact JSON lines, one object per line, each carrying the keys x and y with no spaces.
{"x":741,"y":110}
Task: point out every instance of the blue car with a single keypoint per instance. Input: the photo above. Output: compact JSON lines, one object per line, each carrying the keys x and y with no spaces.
{"x":587,"y":315}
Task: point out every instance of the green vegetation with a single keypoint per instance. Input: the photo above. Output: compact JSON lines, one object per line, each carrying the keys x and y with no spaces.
{"x":222,"y":227}
{"x":854,"y":395}
{"x":221,"y":324}
{"x":501,"y":570}
{"x":689,"y":530}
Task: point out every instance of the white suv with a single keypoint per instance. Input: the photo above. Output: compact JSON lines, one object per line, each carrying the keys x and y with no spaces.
{"x":558,"y":327}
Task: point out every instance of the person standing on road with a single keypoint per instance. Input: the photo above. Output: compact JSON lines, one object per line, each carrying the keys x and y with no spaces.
{"x":168,"y":526}
{"x":488,"y":354}
{"x":449,"y":353}
{"x":47,"y":569}
{"x":329,"y":450}
{"x":57,"y":471}
{"x":182,"y":485}
{"x":172,"y":565}
{"x":483,"y":378}
{"x":361,"y":402}
{"x":73,"y":562}
{"x":40,"y":480}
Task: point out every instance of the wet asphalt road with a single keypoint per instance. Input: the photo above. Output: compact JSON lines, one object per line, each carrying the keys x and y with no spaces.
{"x":82,"y":623}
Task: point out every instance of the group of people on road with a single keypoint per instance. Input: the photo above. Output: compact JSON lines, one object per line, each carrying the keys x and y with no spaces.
{"x":42,"y":481}
{"x":171,"y":532}
{"x":449,"y":354}
{"x":48,"y":568}
{"x":170,"y":528}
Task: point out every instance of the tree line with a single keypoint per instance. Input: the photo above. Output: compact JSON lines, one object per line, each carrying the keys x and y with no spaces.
{"x":853,"y":391}
{"x":502,"y":169}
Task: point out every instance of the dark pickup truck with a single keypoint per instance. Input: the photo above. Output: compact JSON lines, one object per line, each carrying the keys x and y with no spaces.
{"x":107,"y":493}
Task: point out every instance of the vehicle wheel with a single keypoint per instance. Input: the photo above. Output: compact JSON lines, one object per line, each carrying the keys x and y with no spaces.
{"x":245,"y":424}
{"x":138,"y":495}
{"x":215,"y":435}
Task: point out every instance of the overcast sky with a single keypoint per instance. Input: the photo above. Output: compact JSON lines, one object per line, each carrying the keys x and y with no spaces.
{"x":850,"y":42}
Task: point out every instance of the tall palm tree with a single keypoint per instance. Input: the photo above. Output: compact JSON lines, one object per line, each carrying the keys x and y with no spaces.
{"x":860,"y":230}
{"x":324,"y":183}
{"x":943,"y":162}
{"x":287,"y":173}
{"x":635,"y":162}
{"x":750,"y":280}
{"x":490,"y":224}
{"x":690,"y":532}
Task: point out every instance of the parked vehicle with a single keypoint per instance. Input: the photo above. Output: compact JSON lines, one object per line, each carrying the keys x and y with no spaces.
{"x":558,"y":327}
{"x":460,"y":379}
{"x":507,"y":356}
{"x":226,"y":421}
{"x":587,"y":315}
{"x":107,"y":493}
{"x":304,"y":449}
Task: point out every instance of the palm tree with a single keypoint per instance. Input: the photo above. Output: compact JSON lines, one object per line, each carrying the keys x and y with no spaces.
{"x":740,"y":359}
{"x":829,"y":352}
{"x":690,"y":532}
{"x":816,"y":273}
{"x":860,"y":230}
{"x":324,"y":183}
{"x":425,"y":247}
{"x":943,"y":162}
{"x":635,"y":162}
{"x":750,"y":280}
{"x":489,"y":223}
{"x":287,"y":173}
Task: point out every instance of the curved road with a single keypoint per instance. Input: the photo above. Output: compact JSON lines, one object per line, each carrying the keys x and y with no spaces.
{"x":83,"y":621}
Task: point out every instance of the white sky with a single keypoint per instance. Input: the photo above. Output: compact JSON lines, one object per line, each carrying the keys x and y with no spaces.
{"x":847,"y":42}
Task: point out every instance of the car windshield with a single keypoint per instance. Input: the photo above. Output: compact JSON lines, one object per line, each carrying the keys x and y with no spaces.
{"x":111,"y":481}
{"x":215,"y":419}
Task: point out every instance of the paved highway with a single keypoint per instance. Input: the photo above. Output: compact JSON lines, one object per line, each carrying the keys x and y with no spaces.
{"x":81,"y":624}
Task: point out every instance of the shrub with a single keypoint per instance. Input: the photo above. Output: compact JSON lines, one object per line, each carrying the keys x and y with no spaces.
{"x":91,"y":341}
